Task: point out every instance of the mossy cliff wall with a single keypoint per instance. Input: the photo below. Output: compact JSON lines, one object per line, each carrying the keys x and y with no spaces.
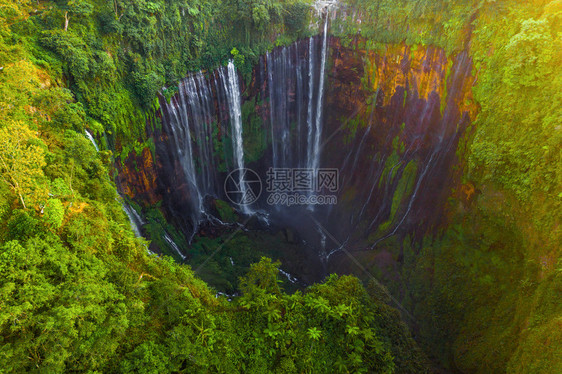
{"x":392,"y":120}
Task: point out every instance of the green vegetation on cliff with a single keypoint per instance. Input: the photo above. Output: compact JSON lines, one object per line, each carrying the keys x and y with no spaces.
{"x":486,"y":290}
{"x":116,"y":55}
{"x":79,"y":293}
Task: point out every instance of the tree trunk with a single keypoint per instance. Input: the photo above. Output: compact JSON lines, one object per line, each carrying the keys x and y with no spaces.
{"x":22,"y":202}
{"x":66,"y":20}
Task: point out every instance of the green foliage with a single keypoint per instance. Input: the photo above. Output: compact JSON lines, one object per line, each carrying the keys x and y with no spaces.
{"x":424,"y":22}
{"x":255,"y":141}
{"x":482,"y":288}
{"x":297,"y":16}
{"x":22,"y":157}
{"x":74,"y":310}
{"x":147,"y":358}
{"x":237,"y":57}
{"x":21,"y":226}
{"x":226,"y":212}
{"x":116,"y":56}
{"x":78,"y":293}
{"x":517,"y":142}
{"x":330,"y":328}
{"x":59,"y":309}
{"x":261,"y":279}
{"x":54,"y":213}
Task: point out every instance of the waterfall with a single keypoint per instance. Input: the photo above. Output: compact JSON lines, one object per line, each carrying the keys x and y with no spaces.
{"x":293,"y":85}
{"x":91,"y":138}
{"x":202,"y":106}
{"x":235,"y":107}
{"x":205,"y":116}
{"x":173,"y":244}
{"x":188,"y":118}
{"x":295,"y":89}
{"x":200,"y":101}
{"x":134,"y":218}
{"x":300,"y":92}
{"x":289,"y":276}
{"x":391,"y":147}
{"x":314,"y":161}
{"x":310,"y":100}
{"x":187,"y":152}
{"x":232,"y":89}
{"x":285,"y":90}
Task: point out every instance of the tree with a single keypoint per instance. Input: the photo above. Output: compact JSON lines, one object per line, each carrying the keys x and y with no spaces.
{"x":77,"y":7}
{"x":10,"y":12}
{"x":261,"y":277}
{"x":54,"y":213}
{"x":22,"y":158}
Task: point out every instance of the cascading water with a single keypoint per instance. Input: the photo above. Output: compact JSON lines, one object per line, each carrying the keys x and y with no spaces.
{"x":91,"y":139}
{"x":292,"y":101}
{"x":205,"y":116}
{"x":200,"y":102}
{"x":181,"y":132}
{"x":309,"y":116}
{"x":232,"y":89}
{"x":279,"y":65}
{"x":314,"y":156}
{"x":398,"y":165}
{"x":398,"y":141}
{"x":205,"y":113}
{"x":173,"y":245}
{"x":135,"y":219}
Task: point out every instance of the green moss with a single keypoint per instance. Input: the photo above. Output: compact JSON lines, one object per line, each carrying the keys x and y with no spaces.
{"x":226,"y":212}
{"x":255,"y":140}
{"x":444,"y":95}
{"x":400,"y":196}
{"x":352,"y":126}
{"x":405,"y":186}
{"x":390,"y":164}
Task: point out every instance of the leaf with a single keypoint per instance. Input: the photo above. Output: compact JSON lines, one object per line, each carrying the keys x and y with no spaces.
{"x":314,"y":333}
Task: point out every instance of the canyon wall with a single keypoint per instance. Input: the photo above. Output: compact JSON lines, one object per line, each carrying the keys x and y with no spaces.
{"x":389,"y":119}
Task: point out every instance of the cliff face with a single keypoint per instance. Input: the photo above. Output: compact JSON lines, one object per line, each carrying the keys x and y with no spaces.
{"x":391,"y":122}
{"x":152,"y":177}
{"x":396,"y":116}
{"x":137,"y":177}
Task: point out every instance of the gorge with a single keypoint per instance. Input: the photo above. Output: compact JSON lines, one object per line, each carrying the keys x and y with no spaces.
{"x":266,"y":186}
{"x":388,"y":121}
{"x":385,"y":107}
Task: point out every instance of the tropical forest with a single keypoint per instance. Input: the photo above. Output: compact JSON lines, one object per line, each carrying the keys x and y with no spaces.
{"x":281,"y":186}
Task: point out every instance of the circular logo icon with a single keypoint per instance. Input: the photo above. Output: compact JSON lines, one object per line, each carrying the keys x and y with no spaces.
{"x":242,"y":186}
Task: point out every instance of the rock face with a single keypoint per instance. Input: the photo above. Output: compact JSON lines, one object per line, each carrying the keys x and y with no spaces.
{"x":401,"y":114}
{"x":388,"y":120}
{"x":137,"y":177}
